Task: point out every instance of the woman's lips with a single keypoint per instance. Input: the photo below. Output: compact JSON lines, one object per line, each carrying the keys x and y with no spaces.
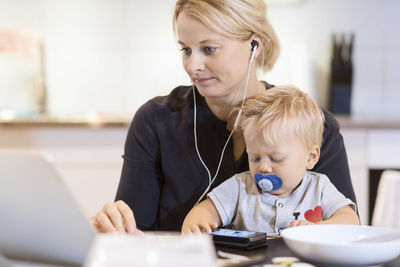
{"x":203,"y":80}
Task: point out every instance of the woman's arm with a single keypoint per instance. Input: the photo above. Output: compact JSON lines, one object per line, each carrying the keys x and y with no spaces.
{"x":203,"y":217}
{"x":138,"y":192}
{"x":141,"y":176}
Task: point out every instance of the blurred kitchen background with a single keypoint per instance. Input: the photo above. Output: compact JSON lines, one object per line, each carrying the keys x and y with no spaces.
{"x":111,"y":56}
{"x":97,"y":61}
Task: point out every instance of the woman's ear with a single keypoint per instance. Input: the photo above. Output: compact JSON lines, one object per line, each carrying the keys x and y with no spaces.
{"x":313,"y":157}
{"x":256,"y":40}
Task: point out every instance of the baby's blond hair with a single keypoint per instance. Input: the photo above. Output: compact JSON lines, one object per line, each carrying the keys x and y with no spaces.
{"x":283,"y":112}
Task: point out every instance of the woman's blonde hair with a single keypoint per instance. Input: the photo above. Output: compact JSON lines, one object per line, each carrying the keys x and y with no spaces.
{"x":236,"y":19}
{"x":283,"y":112}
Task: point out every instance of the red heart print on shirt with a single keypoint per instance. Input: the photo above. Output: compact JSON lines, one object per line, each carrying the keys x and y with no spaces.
{"x":313,"y":215}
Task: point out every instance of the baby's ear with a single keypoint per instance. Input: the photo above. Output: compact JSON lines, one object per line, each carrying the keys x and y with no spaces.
{"x":313,"y":157}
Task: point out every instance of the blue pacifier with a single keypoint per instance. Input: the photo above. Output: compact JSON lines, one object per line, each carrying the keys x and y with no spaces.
{"x":268,"y":182}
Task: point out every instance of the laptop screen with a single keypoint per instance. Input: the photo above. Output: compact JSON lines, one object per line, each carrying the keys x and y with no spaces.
{"x":40,"y":220}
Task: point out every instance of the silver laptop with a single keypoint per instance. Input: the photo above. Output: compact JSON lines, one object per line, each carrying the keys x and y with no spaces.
{"x":39,"y":219}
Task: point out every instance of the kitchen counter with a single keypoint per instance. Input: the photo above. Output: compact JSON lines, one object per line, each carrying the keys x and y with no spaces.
{"x":76,"y":121}
{"x":94,"y":121}
{"x":368,"y":122}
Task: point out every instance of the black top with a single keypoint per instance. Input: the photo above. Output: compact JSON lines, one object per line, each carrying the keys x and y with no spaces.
{"x":162,"y":176}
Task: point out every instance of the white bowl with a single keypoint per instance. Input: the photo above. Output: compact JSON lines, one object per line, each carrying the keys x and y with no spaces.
{"x":333,"y":244}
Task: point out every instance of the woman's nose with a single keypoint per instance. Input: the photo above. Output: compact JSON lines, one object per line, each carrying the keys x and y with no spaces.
{"x":195,"y":63}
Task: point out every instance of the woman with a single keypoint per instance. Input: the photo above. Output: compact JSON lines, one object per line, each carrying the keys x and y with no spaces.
{"x":175,"y":144}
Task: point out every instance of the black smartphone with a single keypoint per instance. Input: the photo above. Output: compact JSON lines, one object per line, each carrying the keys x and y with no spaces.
{"x":239,"y":238}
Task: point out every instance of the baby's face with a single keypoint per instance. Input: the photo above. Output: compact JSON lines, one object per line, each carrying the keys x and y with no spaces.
{"x":289,"y":160}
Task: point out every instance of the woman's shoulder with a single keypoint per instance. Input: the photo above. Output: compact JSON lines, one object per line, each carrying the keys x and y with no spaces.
{"x":162,"y":107}
{"x":178,"y":99}
{"x":331,"y":125}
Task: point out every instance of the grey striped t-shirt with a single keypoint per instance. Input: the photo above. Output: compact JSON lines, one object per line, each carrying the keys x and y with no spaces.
{"x":241,"y":204}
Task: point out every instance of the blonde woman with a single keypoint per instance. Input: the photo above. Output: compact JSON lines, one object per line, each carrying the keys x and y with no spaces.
{"x":184,"y":144}
{"x":282,"y":128}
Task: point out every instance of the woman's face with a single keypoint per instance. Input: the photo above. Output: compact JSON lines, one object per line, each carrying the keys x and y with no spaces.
{"x":217,"y":65}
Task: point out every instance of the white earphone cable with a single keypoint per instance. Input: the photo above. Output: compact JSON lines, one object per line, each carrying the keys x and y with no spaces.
{"x":245,"y":88}
{"x":210,"y":181}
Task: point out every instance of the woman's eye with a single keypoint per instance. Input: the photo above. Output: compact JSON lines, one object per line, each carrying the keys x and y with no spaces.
{"x":209,"y":50}
{"x":185,"y":51}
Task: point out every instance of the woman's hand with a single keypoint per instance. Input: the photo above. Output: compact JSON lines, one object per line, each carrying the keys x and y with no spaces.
{"x":116,"y":217}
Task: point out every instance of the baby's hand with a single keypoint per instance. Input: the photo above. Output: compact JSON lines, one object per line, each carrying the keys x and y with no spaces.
{"x":202,"y":218}
{"x":298,"y":223}
{"x":198,"y":227}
